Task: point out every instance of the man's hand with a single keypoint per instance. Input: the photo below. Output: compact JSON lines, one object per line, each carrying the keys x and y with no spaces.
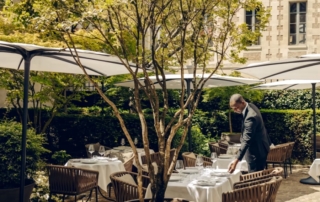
{"x":233,"y":166}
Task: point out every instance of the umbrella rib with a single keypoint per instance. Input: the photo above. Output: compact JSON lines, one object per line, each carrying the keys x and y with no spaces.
{"x":279,"y":63}
{"x":74,"y":63}
{"x":290,"y":86}
{"x":289,"y":70}
{"x":82,"y":57}
{"x":20,"y":63}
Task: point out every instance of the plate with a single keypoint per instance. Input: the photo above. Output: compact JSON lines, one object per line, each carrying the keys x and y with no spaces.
{"x":226,"y":156}
{"x":175,"y":178}
{"x":75,"y":160}
{"x":220,"y":174}
{"x":89,"y":161}
{"x":102,"y":158}
{"x":190,"y":171}
{"x":205,"y":183}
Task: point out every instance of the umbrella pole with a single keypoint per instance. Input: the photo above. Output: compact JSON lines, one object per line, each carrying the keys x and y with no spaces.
{"x":189,"y":108}
{"x":24,"y":123}
{"x":314,"y":120}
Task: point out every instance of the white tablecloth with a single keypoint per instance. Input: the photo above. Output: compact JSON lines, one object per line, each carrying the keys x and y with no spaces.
{"x":189,"y":191}
{"x":314,"y":171}
{"x":105,"y":170}
{"x":224,"y":164}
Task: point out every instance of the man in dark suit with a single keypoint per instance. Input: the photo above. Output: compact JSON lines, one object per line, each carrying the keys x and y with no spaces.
{"x":255,"y":142}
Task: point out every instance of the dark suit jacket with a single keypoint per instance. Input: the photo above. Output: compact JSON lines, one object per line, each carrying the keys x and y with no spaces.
{"x":255,"y":142}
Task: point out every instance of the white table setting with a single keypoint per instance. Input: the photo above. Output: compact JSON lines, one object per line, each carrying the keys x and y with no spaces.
{"x":104,"y":165}
{"x":224,"y":160}
{"x":199,"y":184}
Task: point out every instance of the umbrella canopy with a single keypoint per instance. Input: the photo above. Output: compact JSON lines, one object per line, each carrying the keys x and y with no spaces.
{"x":288,"y":85}
{"x":31,"y":57}
{"x":60,"y":60}
{"x":173,"y":81}
{"x":304,"y":67}
{"x":298,"y":84}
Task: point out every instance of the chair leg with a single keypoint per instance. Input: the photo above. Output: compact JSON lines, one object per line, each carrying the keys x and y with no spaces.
{"x":109,"y":189}
{"x":285,"y":170}
{"x":96,"y":189}
{"x":290,"y":164}
{"x":89,"y":197}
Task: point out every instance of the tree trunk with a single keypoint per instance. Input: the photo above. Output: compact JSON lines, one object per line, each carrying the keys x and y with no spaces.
{"x":161,"y":190}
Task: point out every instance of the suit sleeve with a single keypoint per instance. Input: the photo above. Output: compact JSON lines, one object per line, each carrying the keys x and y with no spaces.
{"x":247,"y":136}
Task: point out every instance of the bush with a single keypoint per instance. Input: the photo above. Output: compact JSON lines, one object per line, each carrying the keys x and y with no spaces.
{"x":199,"y":142}
{"x":10,"y":153}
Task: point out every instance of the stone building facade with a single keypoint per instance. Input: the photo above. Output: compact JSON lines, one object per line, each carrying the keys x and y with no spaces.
{"x":293,"y":30}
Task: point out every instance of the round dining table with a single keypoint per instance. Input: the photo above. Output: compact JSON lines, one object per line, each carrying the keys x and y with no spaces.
{"x":104,"y":167}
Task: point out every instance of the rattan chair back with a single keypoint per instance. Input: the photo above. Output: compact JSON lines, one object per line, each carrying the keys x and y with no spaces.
{"x":263,"y":190}
{"x":125,"y":190}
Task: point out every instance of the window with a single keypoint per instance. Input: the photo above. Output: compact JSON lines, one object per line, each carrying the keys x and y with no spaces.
{"x":298,"y":11}
{"x":252,"y":22}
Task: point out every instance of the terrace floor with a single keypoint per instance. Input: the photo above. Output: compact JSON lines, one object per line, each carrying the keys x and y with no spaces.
{"x":291,"y":190}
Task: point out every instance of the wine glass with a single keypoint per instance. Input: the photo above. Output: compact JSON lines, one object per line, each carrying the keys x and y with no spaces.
{"x":179,"y":166}
{"x":135,"y":141}
{"x":91,"y":149}
{"x":199,"y":162}
{"x":213,"y":158}
{"x":123,"y":142}
{"x":101,"y":150}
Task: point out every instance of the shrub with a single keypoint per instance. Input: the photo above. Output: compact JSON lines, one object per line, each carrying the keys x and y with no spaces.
{"x":10,"y":153}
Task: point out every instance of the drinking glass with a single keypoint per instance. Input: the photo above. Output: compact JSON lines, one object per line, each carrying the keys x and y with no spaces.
{"x":199,"y":162}
{"x":123,"y":142}
{"x":135,"y":141}
{"x":91,"y":149}
{"x":179,"y":166}
{"x":102,"y":150}
{"x":213,"y":158}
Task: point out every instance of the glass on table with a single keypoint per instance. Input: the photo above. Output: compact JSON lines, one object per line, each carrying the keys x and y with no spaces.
{"x":102,"y":150}
{"x":91,"y":149}
{"x":199,"y":162}
{"x":123,"y":142}
{"x":135,"y":141}
{"x":213,"y":158}
{"x":179,"y":166}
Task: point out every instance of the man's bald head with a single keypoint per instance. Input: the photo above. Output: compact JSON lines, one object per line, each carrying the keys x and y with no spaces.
{"x":236,"y":98}
{"x":237,"y":103}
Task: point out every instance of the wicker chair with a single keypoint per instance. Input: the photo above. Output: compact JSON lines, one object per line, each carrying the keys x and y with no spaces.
{"x":277,"y":155}
{"x":155,"y":157}
{"x":260,"y":175}
{"x":190,"y":161}
{"x":125,"y":185}
{"x":214,"y":147}
{"x":263,"y":190}
{"x":71,"y":181}
{"x":288,"y":155}
{"x":128,"y":167}
{"x":223,"y":147}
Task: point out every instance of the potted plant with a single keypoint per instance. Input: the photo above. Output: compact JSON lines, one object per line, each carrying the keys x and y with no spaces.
{"x":10,"y":160}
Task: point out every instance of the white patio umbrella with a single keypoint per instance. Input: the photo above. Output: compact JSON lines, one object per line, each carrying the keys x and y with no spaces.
{"x":303,"y":68}
{"x":298,"y":84}
{"x":173,"y":81}
{"x":37,"y":58}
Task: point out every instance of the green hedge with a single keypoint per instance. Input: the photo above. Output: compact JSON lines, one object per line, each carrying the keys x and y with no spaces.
{"x":72,"y":132}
